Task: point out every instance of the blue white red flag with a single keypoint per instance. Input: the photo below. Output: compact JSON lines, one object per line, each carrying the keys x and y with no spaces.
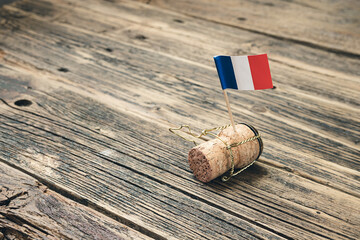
{"x":244,"y":72}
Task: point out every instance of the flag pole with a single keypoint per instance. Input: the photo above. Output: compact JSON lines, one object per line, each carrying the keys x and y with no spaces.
{"x":229,"y":110}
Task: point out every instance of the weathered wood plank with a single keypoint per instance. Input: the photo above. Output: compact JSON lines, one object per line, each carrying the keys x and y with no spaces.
{"x":330,"y":25}
{"x":163,"y":30}
{"x":162,"y":41}
{"x":163,"y":164}
{"x":323,"y":116}
{"x":99,"y":144}
{"x":29,"y":210}
{"x":350,"y":82}
{"x":313,"y":116}
{"x":107,"y":180}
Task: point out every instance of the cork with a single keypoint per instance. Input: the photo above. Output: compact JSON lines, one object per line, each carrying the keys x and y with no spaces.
{"x":211,"y":159}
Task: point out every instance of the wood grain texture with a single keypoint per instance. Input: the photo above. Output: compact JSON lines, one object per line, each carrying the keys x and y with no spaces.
{"x":331,"y":25}
{"x":29,"y":210}
{"x":97,"y":125}
{"x":162,"y":172}
{"x":298,"y":95}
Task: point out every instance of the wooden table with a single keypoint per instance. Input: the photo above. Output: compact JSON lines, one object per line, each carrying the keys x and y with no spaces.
{"x":89,"y":89}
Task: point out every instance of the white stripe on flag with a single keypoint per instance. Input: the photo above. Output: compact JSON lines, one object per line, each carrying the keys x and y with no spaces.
{"x":242,"y":72}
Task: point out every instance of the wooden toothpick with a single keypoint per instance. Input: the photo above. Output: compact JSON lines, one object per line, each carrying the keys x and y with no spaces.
{"x":229,"y":109}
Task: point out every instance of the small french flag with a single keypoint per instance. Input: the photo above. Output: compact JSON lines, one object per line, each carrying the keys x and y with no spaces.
{"x":244,"y":72}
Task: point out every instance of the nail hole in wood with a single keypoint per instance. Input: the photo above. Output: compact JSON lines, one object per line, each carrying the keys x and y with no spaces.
{"x":62,"y":69}
{"x":178,"y":21}
{"x":140,"y":37}
{"x":241,"y":19}
{"x":108,"y":49}
{"x":23,"y":103}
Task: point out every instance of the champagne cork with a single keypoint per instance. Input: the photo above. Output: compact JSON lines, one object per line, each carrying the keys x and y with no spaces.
{"x":212,"y":159}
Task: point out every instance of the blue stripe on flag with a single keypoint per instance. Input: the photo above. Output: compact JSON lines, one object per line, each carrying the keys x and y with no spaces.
{"x":226,"y":72}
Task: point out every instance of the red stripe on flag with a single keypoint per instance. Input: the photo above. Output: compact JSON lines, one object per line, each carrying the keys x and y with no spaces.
{"x":260,"y":71}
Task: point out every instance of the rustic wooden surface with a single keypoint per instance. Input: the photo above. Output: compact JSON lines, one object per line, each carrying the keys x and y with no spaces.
{"x":89,"y":88}
{"x":29,"y":209}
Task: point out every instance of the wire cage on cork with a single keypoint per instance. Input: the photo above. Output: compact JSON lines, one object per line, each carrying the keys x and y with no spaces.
{"x":229,"y":150}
